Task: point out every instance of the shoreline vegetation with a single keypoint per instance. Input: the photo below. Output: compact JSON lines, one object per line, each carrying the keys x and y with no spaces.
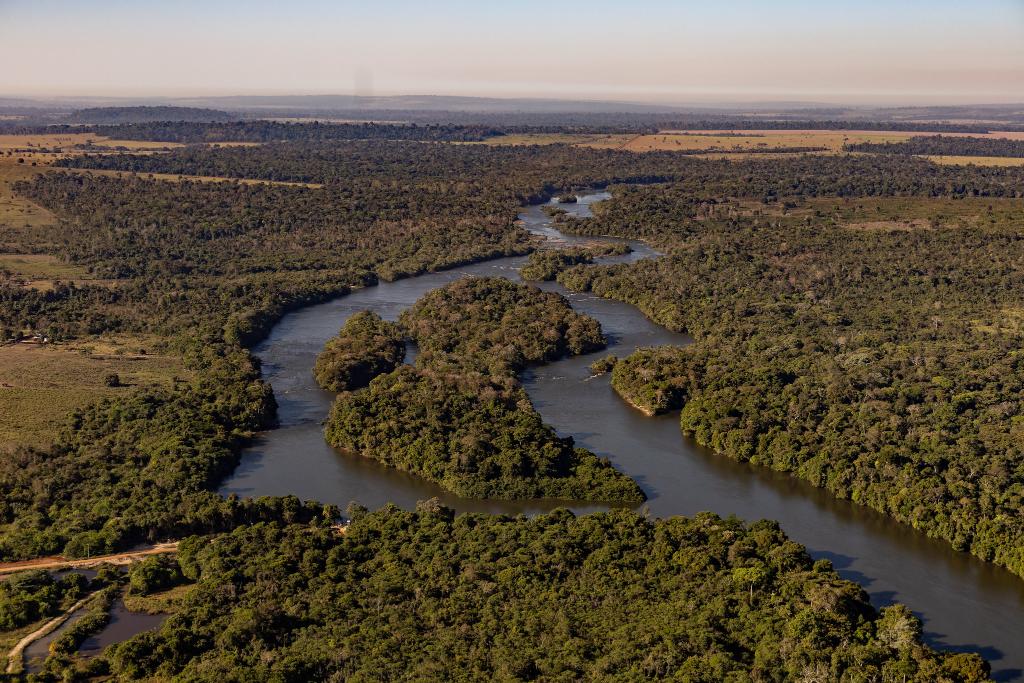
{"x":710,"y":597}
{"x":365,"y":347}
{"x":461,"y":418}
{"x":729,"y":383}
{"x":211,"y":267}
{"x":545,"y":264}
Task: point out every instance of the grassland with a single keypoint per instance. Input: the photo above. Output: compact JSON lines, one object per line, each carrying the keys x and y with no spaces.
{"x":165,"y":602}
{"x":597,"y":141}
{"x":24,"y":156}
{"x":976,"y":161}
{"x":18,"y":213}
{"x":726,"y":141}
{"x":753,"y":140}
{"x":42,"y":271}
{"x":40,"y":384}
{"x":739,"y":144}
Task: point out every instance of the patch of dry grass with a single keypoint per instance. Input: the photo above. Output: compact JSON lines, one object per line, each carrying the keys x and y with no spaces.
{"x":41,"y":384}
{"x":166,"y":602}
{"x":933,"y":211}
{"x":1004,"y":321}
{"x":40,"y":267}
{"x":176,"y":178}
{"x":8,"y":639}
{"x":906,"y":225}
{"x":597,"y":141}
{"x":739,"y":140}
{"x":976,"y":161}
{"x":17,"y":212}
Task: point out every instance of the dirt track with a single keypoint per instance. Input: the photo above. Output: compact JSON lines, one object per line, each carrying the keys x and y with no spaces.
{"x":14,"y":659}
{"x":117,"y":558}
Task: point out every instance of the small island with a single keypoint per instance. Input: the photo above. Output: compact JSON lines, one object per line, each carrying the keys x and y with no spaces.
{"x":546,"y":264}
{"x":365,"y":347}
{"x":461,"y":418}
{"x":653,"y":380}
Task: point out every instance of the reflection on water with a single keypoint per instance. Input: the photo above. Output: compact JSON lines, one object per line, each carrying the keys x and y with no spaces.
{"x":965,"y":603}
{"x":38,"y":650}
{"x":122,"y":626}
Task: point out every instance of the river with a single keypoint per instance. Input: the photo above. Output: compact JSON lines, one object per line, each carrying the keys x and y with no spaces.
{"x":966,"y":604}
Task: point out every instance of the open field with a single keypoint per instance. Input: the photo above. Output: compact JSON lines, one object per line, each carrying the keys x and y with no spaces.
{"x":164,"y":602}
{"x":976,"y":161}
{"x":732,"y":144}
{"x":45,"y":148}
{"x":741,"y":140}
{"x":598,"y":141}
{"x":176,"y":178}
{"x":17,"y":212}
{"x":42,"y":271}
{"x":885,"y":213}
{"x":41,"y":384}
{"x":755,"y":141}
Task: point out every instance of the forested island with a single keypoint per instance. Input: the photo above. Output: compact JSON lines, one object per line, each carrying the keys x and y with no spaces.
{"x":365,"y":347}
{"x":460,"y":417}
{"x":545,"y":264}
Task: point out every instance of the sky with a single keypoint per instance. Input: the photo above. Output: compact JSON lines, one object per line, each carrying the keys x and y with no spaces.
{"x":863,"y":52}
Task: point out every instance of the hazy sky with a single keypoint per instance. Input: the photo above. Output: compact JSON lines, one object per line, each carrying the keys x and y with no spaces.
{"x":731,"y":50}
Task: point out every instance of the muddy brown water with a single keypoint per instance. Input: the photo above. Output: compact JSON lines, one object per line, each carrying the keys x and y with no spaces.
{"x":966,"y":604}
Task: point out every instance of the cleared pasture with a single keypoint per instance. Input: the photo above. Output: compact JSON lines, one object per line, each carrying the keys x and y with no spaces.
{"x":975,"y":161}
{"x":41,"y":384}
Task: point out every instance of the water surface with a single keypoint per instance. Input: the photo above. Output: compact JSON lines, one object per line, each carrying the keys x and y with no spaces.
{"x":966,"y":604}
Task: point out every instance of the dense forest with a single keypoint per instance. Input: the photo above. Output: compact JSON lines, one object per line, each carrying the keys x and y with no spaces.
{"x":460,"y":417}
{"x":35,"y":121}
{"x":191,"y":132}
{"x":27,"y":597}
{"x":869,"y":347}
{"x":534,"y":172}
{"x":426,"y":595}
{"x":219,"y":263}
{"x":365,"y":347}
{"x":945,"y":145}
{"x":122,"y":115}
{"x":210,"y":267}
{"x":857,"y":323}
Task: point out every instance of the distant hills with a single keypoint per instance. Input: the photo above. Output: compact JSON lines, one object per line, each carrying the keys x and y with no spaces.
{"x":147,"y":114}
{"x":507,"y":112}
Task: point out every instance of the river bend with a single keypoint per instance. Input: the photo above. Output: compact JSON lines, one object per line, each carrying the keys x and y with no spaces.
{"x":966,"y":604}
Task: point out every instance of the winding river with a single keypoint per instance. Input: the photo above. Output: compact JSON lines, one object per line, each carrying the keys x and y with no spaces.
{"x":966,"y":604}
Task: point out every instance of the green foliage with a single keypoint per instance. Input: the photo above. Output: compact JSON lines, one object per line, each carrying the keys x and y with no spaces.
{"x":652,"y":379}
{"x":460,"y":418}
{"x":546,"y":264}
{"x":426,"y":595}
{"x":96,"y":617}
{"x":496,"y":326}
{"x":29,"y":596}
{"x":942,"y":145}
{"x":365,"y":347}
{"x":154,"y":574}
{"x":476,"y":436}
{"x":603,"y":365}
{"x":880,"y":364}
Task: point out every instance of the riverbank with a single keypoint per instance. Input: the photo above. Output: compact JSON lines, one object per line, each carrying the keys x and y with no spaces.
{"x":965,"y":603}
